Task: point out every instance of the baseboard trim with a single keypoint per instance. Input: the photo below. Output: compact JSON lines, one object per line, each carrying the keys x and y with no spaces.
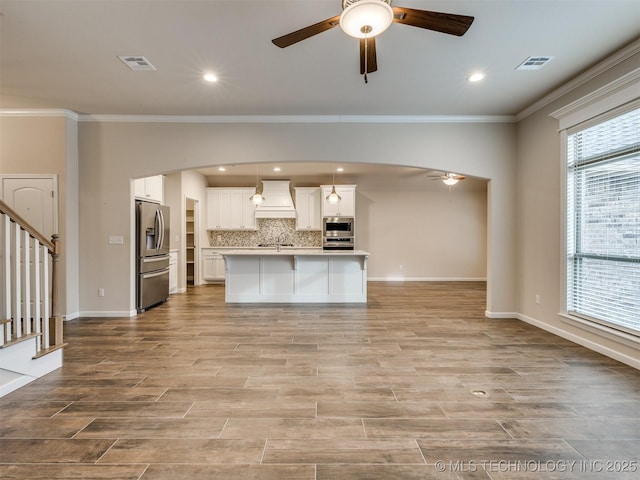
{"x":108,"y":314}
{"x":71,"y":316}
{"x":12,"y":381}
{"x":489,"y":314}
{"x":426,"y":279}
{"x":596,"y":347}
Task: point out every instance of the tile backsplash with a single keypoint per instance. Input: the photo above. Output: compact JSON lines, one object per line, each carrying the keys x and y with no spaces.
{"x":270,"y":230}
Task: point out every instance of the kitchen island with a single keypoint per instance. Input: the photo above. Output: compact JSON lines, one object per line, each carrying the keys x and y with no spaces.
{"x":295,"y":275}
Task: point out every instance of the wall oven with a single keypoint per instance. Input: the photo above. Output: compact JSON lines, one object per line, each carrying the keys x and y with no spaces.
{"x":338,"y":233}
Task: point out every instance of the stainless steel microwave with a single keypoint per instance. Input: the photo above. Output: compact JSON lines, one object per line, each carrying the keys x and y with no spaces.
{"x":338,"y":233}
{"x":338,"y":227}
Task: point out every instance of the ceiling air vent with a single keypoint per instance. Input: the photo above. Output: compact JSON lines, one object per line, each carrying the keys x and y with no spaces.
{"x":136,"y":62}
{"x":534,"y":63}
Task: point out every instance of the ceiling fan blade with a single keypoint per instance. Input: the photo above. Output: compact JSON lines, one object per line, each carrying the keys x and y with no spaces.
{"x":372,"y":61}
{"x":306,"y":32}
{"x":437,"y":21}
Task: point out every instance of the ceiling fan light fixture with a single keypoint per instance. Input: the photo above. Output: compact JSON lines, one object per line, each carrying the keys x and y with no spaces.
{"x":451,"y":178}
{"x":450,"y":181}
{"x":365,"y":18}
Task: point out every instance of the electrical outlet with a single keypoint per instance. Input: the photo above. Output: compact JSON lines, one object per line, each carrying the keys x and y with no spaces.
{"x":219,"y":238}
{"x":116,"y":240}
{"x":401,"y":267}
{"x":101,"y":292}
{"x":538,"y":298}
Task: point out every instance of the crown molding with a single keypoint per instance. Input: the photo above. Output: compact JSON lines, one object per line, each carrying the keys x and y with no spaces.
{"x":610,"y":62}
{"x":619,"y":92}
{"x":298,"y":118}
{"x":39,"y":112}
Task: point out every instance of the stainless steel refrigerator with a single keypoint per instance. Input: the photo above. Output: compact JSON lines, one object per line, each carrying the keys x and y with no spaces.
{"x":152,"y":254}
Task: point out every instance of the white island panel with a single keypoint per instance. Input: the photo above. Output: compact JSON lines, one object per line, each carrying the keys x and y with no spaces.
{"x":346,"y":279}
{"x":275,"y":277}
{"x":295,"y":276}
{"x":312,"y":277}
{"x":244,"y":282}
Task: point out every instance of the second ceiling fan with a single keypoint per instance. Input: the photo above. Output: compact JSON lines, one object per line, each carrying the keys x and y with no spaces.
{"x":365,"y":19}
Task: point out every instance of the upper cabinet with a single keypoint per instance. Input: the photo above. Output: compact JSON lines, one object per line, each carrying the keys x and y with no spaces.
{"x":308,"y":208}
{"x":346,"y":207}
{"x":150,"y":188}
{"x":230,"y":209}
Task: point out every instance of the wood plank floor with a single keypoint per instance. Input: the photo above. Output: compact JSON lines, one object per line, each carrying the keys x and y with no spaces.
{"x":196,"y":389}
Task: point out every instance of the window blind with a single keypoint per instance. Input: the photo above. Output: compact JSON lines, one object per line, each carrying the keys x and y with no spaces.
{"x":603,"y":222}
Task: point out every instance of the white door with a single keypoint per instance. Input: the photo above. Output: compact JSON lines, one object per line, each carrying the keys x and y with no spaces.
{"x":34,"y":198}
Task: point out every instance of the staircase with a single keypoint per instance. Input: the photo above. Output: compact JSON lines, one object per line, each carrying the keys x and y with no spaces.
{"x":31,"y":340}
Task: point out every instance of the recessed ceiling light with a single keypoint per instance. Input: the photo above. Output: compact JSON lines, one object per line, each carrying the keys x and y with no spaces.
{"x":222,"y":169}
{"x":476,"y":77}
{"x":276,"y":169}
{"x":210,"y":77}
{"x":479,"y":393}
{"x":339,"y":169}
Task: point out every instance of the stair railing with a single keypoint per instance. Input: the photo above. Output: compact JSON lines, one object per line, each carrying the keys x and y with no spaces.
{"x":29,"y":284}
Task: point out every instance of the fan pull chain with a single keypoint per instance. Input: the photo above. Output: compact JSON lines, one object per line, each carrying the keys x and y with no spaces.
{"x":366,"y":57}
{"x":366,"y":29}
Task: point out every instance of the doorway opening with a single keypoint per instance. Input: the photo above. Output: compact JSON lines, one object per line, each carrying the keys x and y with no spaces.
{"x":191,"y":242}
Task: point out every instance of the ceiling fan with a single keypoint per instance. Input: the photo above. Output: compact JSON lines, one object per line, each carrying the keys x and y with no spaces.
{"x":365,"y":19}
{"x":449,"y":178}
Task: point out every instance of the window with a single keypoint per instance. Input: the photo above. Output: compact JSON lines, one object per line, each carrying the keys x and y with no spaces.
{"x":603,"y":221}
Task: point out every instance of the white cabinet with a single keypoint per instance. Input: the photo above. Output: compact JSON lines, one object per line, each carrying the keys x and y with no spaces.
{"x":212,"y":265}
{"x":308,"y":208}
{"x":218,"y":209}
{"x":150,"y":188}
{"x":173,"y":271}
{"x":345,"y":207}
{"x":230,"y":209}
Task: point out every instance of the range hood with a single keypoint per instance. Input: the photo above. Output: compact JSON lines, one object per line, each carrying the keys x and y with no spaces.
{"x":277,"y":201}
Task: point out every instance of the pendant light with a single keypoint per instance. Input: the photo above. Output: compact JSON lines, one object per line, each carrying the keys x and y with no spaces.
{"x":257,"y":197}
{"x":333,"y":198}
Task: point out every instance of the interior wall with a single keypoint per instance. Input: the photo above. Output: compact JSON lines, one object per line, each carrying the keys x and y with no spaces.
{"x":415,"y":227}
{"x":113,"y":152}
{"x":540,"y":232}
{"x":421,"y":229}
{"x":48,"y":145}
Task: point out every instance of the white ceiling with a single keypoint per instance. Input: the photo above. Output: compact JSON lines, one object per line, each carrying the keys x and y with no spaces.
{"x":64,"y":54}
{"x":308,"y":173}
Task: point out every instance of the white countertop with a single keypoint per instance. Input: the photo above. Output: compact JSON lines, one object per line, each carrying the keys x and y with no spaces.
{"x":292,"y":251}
